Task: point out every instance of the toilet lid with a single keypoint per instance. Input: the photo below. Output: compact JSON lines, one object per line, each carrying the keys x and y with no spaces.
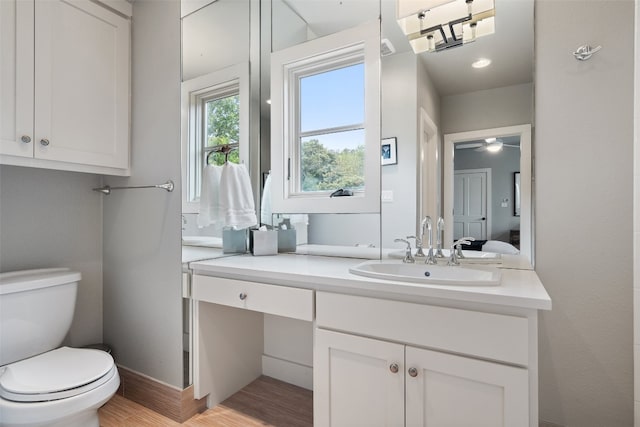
{"x":57,"y":374}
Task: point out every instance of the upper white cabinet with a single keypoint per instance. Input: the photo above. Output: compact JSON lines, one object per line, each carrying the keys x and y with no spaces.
{"x":65,"y":72}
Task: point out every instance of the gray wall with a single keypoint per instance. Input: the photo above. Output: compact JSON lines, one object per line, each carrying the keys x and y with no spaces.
{"x":583,"y":239}
{"x":484,"y":109}
{"x":142,"y":252}
{"x":53,"y":219}
{"x":399,"y":119}
{"x":502,"y":165}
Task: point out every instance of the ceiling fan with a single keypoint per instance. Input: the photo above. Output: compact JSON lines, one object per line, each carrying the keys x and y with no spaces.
{"x":492,"y":145}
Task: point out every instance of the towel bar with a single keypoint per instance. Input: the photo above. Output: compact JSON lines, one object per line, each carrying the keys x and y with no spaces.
{"x":107,"y":189}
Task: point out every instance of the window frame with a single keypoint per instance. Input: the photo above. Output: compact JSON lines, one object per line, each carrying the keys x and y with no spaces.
{"x":196,"y":93}
{"x":356,"y":45}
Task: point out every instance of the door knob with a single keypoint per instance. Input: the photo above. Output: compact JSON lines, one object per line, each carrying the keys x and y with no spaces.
{"x":394,"y":368}
{"x":243,"y":296}
{"x":413,"y":372}
{"x":26,"y":139}
{"x":44,"y":142}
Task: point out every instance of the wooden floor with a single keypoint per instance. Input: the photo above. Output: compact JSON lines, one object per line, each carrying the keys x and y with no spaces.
{"x":264,"y":402}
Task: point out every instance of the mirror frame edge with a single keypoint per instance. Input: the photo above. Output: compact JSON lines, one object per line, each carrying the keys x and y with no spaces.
{"x":526,"y":205}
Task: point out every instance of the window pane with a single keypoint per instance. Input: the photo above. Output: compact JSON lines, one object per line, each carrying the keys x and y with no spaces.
{"x":332,"y":99}
{"x":223,"y":126}
{"x":331,"y":161}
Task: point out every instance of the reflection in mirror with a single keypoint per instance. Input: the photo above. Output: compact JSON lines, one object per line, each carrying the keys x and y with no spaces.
{"x":479,"y":188}
{"x":298,"y":21}
{"x":219,"y":97}
{"x":430,"y":95}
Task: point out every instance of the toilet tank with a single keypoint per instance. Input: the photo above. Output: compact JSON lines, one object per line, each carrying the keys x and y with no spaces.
{"x":36,"y":310}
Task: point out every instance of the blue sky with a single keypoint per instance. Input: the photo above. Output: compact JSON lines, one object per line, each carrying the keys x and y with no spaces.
{"x":333,"y":99}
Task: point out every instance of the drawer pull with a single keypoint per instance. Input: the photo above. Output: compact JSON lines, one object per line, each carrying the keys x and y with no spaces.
{"x":413,"y":372}
{"x":44,"y":142}
{"x":394,"y":368}
{"x":243,"y":296}
{"x":26,"y":139}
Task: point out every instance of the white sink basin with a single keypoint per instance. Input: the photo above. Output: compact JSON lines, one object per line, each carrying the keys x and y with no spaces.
{"x":429,"y":274}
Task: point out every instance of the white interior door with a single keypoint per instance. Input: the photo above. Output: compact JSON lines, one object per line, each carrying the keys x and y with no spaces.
{"x":470,"y":203}
{"x":357,"y":381}
{"x":455,"y":391}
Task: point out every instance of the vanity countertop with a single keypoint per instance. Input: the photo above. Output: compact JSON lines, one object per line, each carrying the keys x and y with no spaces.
{"x":519,"y":288}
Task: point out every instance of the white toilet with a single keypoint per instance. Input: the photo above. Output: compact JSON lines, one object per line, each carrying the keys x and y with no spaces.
{"x":41,"y":383}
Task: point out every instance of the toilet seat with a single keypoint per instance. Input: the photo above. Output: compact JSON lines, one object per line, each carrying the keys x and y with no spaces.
{"x":57,"y":374}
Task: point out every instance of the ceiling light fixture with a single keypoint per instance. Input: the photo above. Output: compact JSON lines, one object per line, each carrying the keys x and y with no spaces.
{"x":481,"y":63}
{"x":494,"y":146}
{"x":436,"y":25}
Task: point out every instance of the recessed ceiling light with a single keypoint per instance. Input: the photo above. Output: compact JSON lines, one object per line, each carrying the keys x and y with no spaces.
{"x":481,"y":63}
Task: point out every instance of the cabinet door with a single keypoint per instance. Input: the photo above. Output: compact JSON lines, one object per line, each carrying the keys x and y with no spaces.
{"x":456,"y":391}
{"x":81,"y":83}
{"x":354,"y":383}
{"x":16,"y":77}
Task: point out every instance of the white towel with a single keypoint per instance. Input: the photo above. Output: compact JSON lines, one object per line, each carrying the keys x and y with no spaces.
{"x":210,"y":213}
{"x":236,"y":197}
{"x":265,"y":209}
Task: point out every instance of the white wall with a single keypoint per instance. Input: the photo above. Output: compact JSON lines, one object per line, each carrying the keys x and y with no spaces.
{"x":583,"y":196}
{"x":53,"y":219}
{"x":484,"y":109}
{"x":142,"y":252}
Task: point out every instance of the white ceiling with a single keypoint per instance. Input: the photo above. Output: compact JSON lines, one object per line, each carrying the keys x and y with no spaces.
{"x":510,"y":48}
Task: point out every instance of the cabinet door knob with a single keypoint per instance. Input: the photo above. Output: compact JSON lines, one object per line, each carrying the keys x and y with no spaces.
{"x":413,"y":372}
{"x":44,"y":142}
{"x":243,"y":296}
{"x":26,"y":139}
{"x":394,"y":368}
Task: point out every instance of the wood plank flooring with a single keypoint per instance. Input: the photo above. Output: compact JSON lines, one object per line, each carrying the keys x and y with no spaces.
{"x":264,"y":402}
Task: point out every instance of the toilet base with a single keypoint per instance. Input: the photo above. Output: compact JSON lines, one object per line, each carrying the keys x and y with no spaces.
{"x":77,"y":411}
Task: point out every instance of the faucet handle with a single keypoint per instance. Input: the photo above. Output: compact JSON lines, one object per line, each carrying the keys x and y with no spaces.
{"x":408,"y":258}
{"x":419,"y":251}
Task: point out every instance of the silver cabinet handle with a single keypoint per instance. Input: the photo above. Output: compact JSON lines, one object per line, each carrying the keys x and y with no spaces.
{"x":243,"y":296}
{"x":394,"y":368}
{"x":413,"y":372}
{"x":26,"y":139}
{"x":44,"y":142}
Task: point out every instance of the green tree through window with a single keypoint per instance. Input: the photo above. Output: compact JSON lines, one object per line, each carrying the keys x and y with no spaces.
{"x":325,"y":169}
{"x":223,"y":126}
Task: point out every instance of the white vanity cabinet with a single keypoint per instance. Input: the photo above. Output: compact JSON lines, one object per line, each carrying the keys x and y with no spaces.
{"x":65,"y":68}
{"x":388,"y":363}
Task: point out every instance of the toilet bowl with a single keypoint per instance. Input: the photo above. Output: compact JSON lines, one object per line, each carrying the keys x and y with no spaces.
{"x":42,"y":384}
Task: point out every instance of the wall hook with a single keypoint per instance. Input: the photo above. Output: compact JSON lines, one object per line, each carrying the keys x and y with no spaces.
{"x":585,"y":52}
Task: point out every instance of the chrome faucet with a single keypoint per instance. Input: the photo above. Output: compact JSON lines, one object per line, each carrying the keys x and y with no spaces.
{"x":408,"y":257}
{"x":456,"y":249}
{"x":439,"y":231}
{"x":426,"y":223}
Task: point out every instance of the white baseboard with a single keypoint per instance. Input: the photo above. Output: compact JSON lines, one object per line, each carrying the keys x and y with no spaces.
{"x":287,"y":371}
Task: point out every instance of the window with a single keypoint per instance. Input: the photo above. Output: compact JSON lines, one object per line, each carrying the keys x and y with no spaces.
{"x":215,"y":112}
{"x":326,"y":123}
{"x":331,"y":130}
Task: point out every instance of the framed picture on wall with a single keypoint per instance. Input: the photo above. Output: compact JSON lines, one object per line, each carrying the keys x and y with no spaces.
{"x":516,"y":194}
{"x":388,"y":151}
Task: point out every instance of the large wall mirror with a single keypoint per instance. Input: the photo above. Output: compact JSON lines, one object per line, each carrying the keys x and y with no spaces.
{"x":424,"y":97}
{"x":437,"y":114}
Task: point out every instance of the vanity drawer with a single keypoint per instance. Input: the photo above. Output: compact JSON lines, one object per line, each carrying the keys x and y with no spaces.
{"x":279,"y":300}
{"x":487,"y":335}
